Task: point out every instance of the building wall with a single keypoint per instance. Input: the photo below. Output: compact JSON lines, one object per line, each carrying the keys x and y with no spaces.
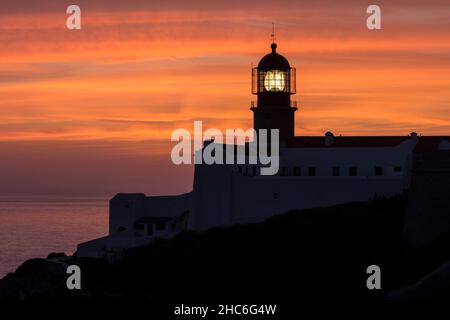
{"x":365,"y":159}
{"x":212,"y":197}
{"x":227,"y":194}
{"x":428,"y":212}
{"x":257,"y":198}
{"x":125,"y":209}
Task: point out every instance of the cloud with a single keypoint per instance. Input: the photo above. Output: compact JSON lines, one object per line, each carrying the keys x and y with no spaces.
{"x":92,"y":111}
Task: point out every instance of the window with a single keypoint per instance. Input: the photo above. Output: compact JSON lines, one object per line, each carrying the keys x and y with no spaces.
{"x":139,"y":226}
{"x":297,"y":171}
{"x":311,"y":171}
{"x":160,"y":226}
{"x":150,"y":229}
{"x":336,"y":171}
{"x":397,"y":169}
{"x":353,"y":171}
{"x":378,"y":171}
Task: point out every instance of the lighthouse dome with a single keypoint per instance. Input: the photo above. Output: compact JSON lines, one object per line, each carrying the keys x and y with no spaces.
{"x":273,"y":60}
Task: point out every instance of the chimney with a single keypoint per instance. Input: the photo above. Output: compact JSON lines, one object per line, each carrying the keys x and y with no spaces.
{"x":329,"y":138}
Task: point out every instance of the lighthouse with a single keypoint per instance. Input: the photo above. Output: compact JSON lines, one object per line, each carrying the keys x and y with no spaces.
{"x":315,"y":171}
{"x":273,"y":82}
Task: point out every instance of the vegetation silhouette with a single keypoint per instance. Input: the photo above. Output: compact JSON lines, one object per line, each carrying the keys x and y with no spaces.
{"x":315,"y":254}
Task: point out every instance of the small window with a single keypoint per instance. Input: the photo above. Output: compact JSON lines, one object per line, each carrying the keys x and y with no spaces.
{"x":336,"y":171}
{"x":378,"y":171}
{"x":311,"y":171}
{"x":397,"y":169}
{"x":297,"y":171}
{"x":160,"y":226}
{"x":353,"y":171}
{"x":150,"y":229}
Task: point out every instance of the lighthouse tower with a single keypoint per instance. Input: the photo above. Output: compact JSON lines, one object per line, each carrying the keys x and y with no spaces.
{"x":273,"y":82}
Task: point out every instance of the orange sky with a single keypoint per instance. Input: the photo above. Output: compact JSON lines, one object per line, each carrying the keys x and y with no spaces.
{"x":114,"y":91}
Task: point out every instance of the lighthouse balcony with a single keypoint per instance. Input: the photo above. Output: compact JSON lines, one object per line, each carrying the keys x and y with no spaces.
{"x":292,"y":104}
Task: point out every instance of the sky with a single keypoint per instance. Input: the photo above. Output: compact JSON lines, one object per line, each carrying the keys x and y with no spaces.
{"x":90,"y":112}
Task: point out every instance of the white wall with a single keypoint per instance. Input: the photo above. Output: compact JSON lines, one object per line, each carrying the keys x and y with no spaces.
{"x":125,"y":209}
{"x":212,"y":197}
{"x":365,"y":159}
{"x":223,"y":197}
{"x":256,"y":198}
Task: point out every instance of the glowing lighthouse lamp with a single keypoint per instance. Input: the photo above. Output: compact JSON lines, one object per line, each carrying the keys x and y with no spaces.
{"x":274,"y":80}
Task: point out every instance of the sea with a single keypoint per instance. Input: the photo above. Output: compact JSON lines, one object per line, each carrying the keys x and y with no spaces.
{"x":35,"y":227}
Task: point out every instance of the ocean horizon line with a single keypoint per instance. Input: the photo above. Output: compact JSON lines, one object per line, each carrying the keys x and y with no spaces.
{"x":52,"y":199}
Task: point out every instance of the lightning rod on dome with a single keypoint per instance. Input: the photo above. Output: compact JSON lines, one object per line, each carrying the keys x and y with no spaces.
{"x":272,"y":36}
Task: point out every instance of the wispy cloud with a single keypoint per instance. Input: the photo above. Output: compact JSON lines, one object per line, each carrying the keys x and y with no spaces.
{"x":139,"y":69}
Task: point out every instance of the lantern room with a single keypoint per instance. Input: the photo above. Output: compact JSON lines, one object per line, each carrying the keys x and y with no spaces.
{"x":273,"y":75}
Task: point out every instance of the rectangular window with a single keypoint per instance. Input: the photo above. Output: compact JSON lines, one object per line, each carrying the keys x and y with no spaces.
{"x":297,"y":171}
{"x":311,"y":171}
{"x":336,"y":171}
{"x":378,"y":171}
{"x":160,"y":226}
{"x":150,"y":229}
{"x":353,"y":171}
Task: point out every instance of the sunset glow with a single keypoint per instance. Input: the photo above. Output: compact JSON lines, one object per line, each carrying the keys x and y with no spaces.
{"x":136,"y":72}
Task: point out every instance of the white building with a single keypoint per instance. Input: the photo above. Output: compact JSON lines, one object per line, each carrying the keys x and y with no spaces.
{"x":314,"y":172}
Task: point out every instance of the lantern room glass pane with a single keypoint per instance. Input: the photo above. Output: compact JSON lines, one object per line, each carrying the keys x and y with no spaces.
{"x":273,"y":81}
